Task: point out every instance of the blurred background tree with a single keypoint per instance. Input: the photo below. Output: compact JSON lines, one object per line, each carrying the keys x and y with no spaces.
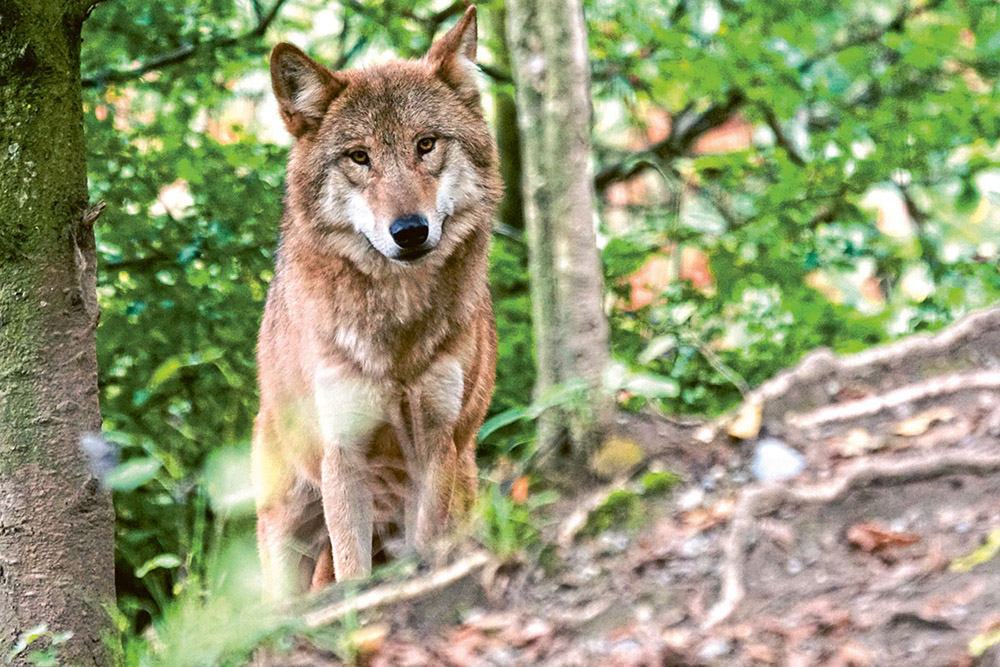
{"x":548,"y":42}
{"x":769,"y":180}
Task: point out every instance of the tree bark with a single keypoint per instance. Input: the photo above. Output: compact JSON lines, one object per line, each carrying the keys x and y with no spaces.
{"x":56,"y":523}
{"x":511,"y":209}
{"x":548,"y":45}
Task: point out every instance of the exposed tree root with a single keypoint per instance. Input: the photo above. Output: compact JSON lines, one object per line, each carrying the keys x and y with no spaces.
{"x":392,"y":593}
{"x":761,"y":500}
{"x":932,"y":388}
{"x":973,"y":344}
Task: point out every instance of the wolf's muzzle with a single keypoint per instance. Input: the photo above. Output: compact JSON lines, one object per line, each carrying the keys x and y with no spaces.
{"x":409,"y":231}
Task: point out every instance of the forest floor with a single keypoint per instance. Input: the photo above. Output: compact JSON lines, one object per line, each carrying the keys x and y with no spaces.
{"x":878,"y":548}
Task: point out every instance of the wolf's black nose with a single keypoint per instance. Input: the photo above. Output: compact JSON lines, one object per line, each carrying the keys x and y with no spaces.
{"x":409,"y":231}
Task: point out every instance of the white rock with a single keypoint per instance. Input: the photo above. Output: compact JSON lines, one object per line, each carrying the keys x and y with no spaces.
{"x":773,"y":460}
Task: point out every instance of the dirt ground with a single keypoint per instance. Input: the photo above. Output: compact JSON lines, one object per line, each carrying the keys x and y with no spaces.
{"x":878,"y":553}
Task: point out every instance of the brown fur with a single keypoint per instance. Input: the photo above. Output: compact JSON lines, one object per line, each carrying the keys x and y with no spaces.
{"x":359,"y":353}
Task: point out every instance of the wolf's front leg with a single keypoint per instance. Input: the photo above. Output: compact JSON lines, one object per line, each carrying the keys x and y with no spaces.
{"x":349,"y":410}
{"x":435,"y":405}
{"x":279,"y":510}
{"x":348,"y":508}
{"x":435,"y":493}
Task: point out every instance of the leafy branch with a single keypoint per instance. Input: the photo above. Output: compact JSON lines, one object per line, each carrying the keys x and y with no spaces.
{"x":431,"y":24}
{"x":186,"y":51}
{"x":689,"y":125}
{"x":897,"y":24}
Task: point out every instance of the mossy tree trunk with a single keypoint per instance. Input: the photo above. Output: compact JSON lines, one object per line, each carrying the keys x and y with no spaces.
{"x":56,"y":523}
{"x":548,"y":46}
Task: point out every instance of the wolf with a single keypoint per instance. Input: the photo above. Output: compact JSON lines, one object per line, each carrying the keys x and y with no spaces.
{"x":377,"y":348}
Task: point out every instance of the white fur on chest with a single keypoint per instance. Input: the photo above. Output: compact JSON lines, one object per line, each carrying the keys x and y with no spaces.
{"x":348,"y":408}
{"x":441,"y":391}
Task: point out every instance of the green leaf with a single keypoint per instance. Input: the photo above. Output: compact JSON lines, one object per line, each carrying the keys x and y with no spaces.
{"x":169,"y":368}
{"x":657,"y":482}
{"x":160,"y":562}
{"x":648,"y":385}
{"x":984,"y":553}
{"x":25,"y":640}
{"x":657,"y":347}
{"x":498,"y":421}
{"x":979,"y":644}
{"x":132,"y":474}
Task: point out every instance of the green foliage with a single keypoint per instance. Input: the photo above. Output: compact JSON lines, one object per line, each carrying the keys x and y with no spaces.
{"x":40,"y":657}
{"x":515,"y":349}
{"x":622,"y":508}
{"x":625,"y":508}
{"x":507,"y":527}
{"x":846,"y":103}
{"x":219,"y":621}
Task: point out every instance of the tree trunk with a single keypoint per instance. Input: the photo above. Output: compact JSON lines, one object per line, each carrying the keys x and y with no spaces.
{"x":511,"y":209}
{"x":548,"y":44}
{"x":56,"y":523}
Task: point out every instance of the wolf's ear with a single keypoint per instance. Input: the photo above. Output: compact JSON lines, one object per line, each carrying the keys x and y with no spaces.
{"x":453,"y":58}
{"x":304,"y":88}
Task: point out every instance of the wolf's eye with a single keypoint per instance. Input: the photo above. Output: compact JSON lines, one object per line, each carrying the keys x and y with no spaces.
{"x":359,"y":157}
{"x":426,"y":145}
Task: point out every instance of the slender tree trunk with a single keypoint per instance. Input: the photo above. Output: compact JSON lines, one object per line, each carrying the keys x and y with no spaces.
{"x":511,"y":209}
{"x":548,"y":45}
{"x":56,"y":523}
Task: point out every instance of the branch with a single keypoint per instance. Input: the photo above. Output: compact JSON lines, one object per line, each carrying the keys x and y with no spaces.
{"x":87,"y":6}
{"x":687,"y":127}
{"x":258,"y":10}
{"x":92,"y":213}
{"x":503,"y":229}
{"x":433,"y":22}
{"x":348,"y":55}
{"x":497,"y":74}
{"x":182,"y":53}
{"x":780,"y":136}
{"x":392,"y":593}
{"x":897,"y":24}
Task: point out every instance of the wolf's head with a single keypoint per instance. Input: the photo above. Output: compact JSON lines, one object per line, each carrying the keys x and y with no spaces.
{"x":390,"y":161}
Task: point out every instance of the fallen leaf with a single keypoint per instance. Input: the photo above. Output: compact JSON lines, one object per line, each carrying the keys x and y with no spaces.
{"x":466,"y":645}
{"x":853,"y":654}
{"x":919,"y":424}
{"x":760,"y":653}
{"x":872,"y":538}
{"x":368,"y":641}
{"x":858,"y":441}
{"x":702,"y":518}
{"x":519,"y":490}
{"x":825,"y":615}
{"x":616,"y":457}
{"x":747,"y":422}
